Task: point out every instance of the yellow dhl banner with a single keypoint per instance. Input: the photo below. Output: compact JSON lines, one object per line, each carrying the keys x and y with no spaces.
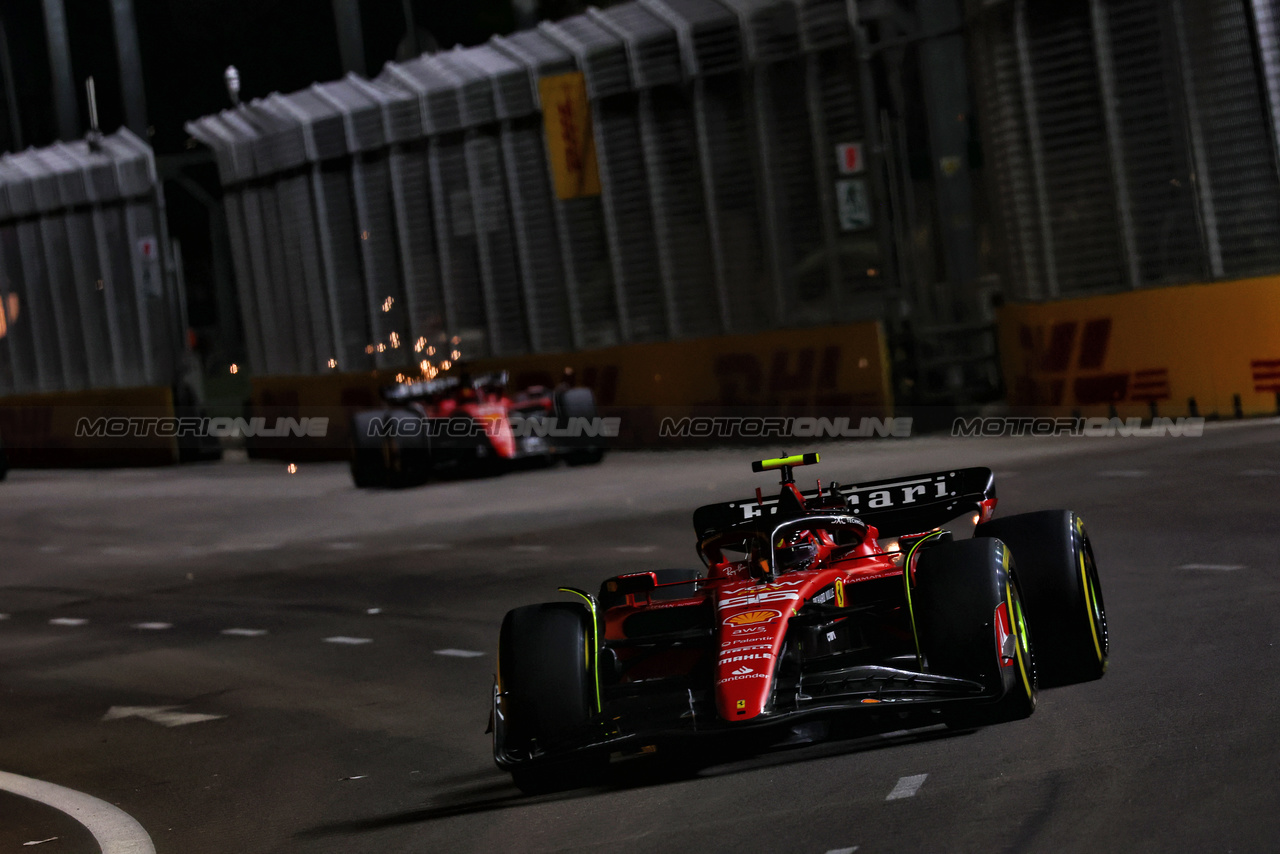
{"x":1193,"y":349}
{"x":571,"y":147}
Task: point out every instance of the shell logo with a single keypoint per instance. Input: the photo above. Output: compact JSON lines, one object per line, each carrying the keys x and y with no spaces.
{"x":750,"y":618}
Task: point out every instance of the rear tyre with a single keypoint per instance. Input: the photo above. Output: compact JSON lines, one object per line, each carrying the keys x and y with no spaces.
{"x":579,"y":403}
{"x":971,"y":623}
{"x":1062,"y":591}
{"x":543,"y":659}
{"x":367,"y":468}
{"x":382,"y":456}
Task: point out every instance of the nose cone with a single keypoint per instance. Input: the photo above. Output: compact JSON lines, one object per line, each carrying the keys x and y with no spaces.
{"x":752,"y":626}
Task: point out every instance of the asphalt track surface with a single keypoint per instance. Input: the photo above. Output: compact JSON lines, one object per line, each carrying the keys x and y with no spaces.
{"x":328,"y":746}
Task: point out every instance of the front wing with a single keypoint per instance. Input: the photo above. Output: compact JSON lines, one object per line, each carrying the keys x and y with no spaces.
{"x":641,"y":716}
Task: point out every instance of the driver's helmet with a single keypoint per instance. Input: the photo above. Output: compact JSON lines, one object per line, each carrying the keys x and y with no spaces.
{"x":795,"y":551}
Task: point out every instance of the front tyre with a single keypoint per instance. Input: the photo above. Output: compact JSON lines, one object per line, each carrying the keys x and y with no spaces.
{"x":546,"y":695}
{"x":971,"y":623}
{"x":1062,"y":591}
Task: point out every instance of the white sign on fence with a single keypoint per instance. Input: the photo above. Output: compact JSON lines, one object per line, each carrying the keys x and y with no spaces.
{"x":853,"y":203}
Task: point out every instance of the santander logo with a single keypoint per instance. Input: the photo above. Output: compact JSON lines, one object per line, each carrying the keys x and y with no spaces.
{"x":742,"y":671}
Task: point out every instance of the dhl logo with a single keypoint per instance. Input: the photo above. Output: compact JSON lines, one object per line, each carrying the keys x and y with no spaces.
{"x":1063,"y":363}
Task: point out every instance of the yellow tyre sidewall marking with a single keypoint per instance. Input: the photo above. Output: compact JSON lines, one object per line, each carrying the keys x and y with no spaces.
{"x":1017,"y":638}
{"x":1087,"y":588}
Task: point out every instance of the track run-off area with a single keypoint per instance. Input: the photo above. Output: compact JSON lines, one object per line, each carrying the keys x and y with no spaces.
{"x":240,"y":659}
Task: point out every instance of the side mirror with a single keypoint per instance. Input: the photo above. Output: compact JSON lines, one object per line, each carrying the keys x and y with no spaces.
{"x":636,"y":582}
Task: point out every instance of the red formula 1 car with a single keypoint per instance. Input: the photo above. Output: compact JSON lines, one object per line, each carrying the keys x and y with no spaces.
{"x":460,"y":424}
{"x":844,"y":602}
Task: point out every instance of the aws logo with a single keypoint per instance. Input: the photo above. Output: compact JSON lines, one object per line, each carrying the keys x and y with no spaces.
{"x":1063,"y":364}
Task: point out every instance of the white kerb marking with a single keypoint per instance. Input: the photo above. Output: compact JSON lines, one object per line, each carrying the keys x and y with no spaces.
{"x":244,"y":633}
{"x":115,"y":831}
{"x":163,"y":715}
{"x":153,"y":627}
{"x":373,"y":610}
{"x":1220,"y":567}
{"x":68,"y":621}
{"x":907,"y":787}
{"x":459,"y":653}
{"x":347,"y":640}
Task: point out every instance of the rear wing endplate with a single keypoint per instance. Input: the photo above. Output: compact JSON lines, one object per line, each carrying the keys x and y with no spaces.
{"x":896,"y":506}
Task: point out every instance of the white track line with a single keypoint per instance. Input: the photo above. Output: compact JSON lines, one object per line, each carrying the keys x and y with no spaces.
{"x":115,"y":831}
{"x":843,"y":850}
{"x":907,"y":787}
{"x":635,"y":550}
{"x":1220,"y":567}
{"x":153,"y":627}
{"x":68,"y":621}
{"x":245,"y":633}
{"x":4,"y":616}
{"x":459,"y":653}
{"x":347,"y":640}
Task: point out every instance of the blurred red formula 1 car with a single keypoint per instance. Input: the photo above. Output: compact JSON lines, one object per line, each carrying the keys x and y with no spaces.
{"x":842,"y":602}
{"x":459,"y":424}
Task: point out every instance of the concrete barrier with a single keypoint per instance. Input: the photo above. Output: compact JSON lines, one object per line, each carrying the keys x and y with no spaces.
{"x":828,"y":371}
{"x":1210,"y":350}
{"x":105,"y":427}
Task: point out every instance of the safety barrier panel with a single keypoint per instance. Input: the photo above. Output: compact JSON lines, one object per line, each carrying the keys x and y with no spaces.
{"x":660,"y":170}
{"x":832,"y":371}
{"x":101,"y":427}
{"x":86,"y":298}
{"x":1207,"y":350}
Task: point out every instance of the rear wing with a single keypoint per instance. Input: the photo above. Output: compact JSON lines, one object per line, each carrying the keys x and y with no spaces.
{"x":896,"y":506}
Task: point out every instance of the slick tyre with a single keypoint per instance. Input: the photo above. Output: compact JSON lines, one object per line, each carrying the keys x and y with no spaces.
{"x":384,"y":457}
{"x":971,"y":623}
{"x":367,"y":467}
{"x":1063,"y":594}
{"x":578,"y":403}
{"x":543,"y":670}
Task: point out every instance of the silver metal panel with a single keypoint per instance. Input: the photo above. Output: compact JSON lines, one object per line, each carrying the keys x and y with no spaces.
{"x":579,"y":223}
{"x":504,"y":305}
{"x":1239,"y":146}
{"x":599,"y":52}
{"x":652,"y":44}
{"x":19,"y":341}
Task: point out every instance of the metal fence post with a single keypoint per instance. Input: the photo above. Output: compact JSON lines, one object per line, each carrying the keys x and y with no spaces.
{"x":1115,"y":145}
{"x":1031,"y":114}
{"x":1203,"y":182}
